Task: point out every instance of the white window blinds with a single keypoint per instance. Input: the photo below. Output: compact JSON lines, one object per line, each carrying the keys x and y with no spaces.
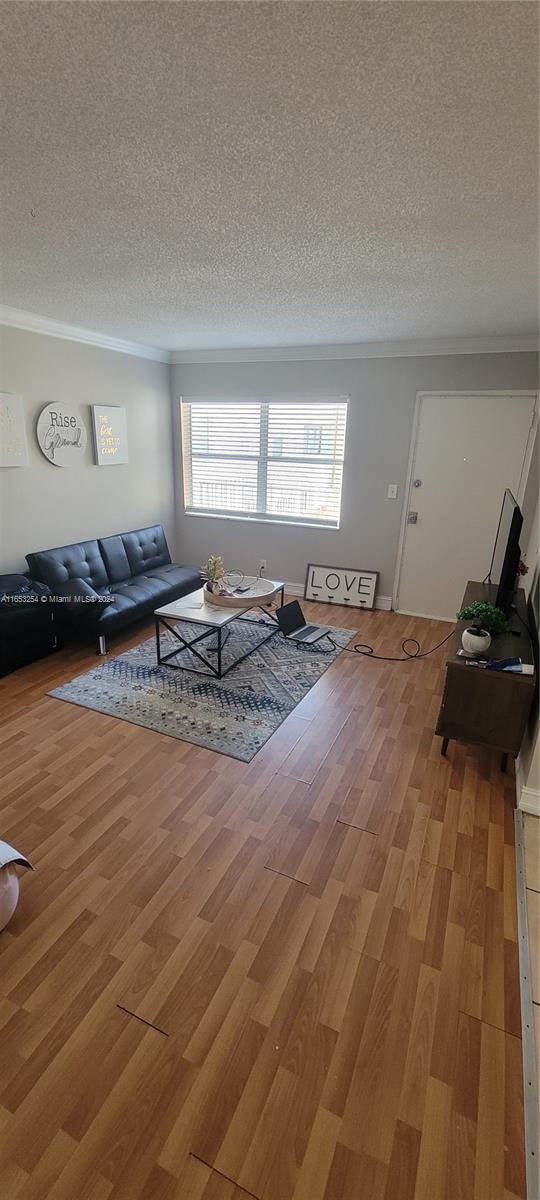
{"x":271,"y":460}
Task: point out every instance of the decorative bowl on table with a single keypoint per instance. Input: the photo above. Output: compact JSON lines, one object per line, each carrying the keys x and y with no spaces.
{"x":253,"y":591}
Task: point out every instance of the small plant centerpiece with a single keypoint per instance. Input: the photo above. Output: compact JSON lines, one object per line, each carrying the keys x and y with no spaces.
{"x":486,"y":622}
{"x":232,"y":589}
{"x":213,"y":572}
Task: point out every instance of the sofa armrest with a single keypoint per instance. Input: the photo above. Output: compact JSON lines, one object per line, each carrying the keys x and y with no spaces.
{"x":77,"y":596}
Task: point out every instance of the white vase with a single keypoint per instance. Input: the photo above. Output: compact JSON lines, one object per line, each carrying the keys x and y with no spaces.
{"x":475,"y":641}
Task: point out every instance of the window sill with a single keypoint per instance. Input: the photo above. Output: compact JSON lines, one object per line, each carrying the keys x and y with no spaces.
{"x":211,"y":516}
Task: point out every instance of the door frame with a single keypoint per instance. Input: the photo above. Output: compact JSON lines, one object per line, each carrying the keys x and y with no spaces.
{"x":420,"y":397}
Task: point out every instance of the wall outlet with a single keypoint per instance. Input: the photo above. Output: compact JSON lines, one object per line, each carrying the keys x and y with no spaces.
{"x":392,"y":491}
{"x":262,"y":565}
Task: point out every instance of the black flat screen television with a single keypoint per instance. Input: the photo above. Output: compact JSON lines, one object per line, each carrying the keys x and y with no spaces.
{"x":506,"y":552}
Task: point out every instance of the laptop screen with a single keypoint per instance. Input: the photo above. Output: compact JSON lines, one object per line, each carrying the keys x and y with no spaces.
{"x":290,"y":617}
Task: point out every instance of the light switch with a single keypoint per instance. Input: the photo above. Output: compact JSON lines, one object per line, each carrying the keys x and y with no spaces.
{"x":392,"y":491}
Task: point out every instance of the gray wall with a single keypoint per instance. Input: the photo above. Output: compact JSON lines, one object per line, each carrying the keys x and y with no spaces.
{"x":529,"y":508}
{"x":382,"y":398}
{"x":42,"y":505}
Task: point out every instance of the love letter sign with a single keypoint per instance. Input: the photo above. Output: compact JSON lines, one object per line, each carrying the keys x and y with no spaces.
{"x":341,"y":585}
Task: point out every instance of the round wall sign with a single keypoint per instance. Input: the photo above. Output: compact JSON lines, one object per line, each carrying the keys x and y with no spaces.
{"x":61,"y":434}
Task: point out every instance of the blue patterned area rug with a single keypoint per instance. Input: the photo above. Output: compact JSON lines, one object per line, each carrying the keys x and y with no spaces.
{"x":235,"y":715}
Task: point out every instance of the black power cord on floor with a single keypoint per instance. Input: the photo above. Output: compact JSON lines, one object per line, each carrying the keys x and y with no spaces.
{"x":368,"y":651}
{"x":311,"y":647}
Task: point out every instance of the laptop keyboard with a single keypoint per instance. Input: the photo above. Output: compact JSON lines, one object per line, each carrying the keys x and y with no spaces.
{"x":303,"y":633}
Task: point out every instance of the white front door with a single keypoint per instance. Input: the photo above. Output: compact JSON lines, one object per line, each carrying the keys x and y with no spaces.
{"x":467,"y":449}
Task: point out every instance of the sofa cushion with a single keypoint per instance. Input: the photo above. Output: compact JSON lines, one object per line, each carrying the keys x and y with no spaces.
{"x":121,"y":611}
{"x":142,"y":591}
{"x":80,"y":561}
{"x":146,"y":548}
{"x":115,"y":558}
{"x":179,"y":580}
{"x":139,"y":597}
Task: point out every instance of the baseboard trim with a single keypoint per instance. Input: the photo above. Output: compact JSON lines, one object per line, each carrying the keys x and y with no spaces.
{"x":527,"y":799}
{"x":404,"y":612}
{"x":518,"y":770}
{"x":529,"y":802}
{"x":381,"y":602}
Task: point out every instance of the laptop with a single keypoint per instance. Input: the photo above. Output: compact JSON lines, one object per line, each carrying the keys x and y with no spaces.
{"x":292,"y":624}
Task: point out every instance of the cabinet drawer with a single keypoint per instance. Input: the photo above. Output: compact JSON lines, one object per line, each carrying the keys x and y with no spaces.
{"x":485,"y":707}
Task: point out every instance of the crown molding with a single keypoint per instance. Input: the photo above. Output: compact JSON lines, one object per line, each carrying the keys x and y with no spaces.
{"x":512,"y":344}
{"x":414,"y":348}
{"x":17,"y":318}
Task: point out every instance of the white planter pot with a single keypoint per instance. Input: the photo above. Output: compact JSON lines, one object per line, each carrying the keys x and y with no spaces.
{"x":475,"y":642}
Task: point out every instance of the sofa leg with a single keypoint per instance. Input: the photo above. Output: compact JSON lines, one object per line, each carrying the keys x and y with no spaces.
{"x":102,"y":644}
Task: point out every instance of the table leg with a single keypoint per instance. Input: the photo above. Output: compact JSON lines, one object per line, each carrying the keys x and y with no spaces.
{"x":219,"y":652}
{"x":444,"y":746}
{"x":158,"y":643}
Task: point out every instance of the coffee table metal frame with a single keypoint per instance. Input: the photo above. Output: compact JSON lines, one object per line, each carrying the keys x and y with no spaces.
{"x":216,"y":631}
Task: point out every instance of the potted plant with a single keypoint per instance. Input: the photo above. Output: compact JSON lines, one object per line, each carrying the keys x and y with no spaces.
{"x":213,"y":571}
{"x":486,"y":622}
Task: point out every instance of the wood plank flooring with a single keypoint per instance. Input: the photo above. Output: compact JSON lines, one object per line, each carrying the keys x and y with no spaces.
{"x":290,"y":979}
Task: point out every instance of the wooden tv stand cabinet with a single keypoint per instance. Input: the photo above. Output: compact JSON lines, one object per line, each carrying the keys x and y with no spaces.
{"x":488,"y":708}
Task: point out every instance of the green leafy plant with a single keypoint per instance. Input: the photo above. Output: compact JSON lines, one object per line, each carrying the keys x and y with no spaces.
{"x":484,"y":616}
{"x":213,"y":571}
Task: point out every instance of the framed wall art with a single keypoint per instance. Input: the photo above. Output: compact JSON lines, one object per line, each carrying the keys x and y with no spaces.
{"x":110,"y":435}
{"x":13,"y":445}
{"x":61,"y":434}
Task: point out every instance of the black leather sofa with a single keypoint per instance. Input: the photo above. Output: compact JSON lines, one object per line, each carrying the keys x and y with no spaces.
{"x":99,"y":586}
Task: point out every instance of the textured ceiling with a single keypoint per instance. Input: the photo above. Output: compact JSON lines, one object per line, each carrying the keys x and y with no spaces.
{"x":196,"y":175}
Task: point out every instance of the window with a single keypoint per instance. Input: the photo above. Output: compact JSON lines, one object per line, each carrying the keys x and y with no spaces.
{"x":313,"y":439}
{"x":276,"y":460}
{"x":275,"y":447}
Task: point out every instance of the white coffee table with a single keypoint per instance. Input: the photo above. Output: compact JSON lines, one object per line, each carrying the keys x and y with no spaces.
{"x":195,"y":609}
